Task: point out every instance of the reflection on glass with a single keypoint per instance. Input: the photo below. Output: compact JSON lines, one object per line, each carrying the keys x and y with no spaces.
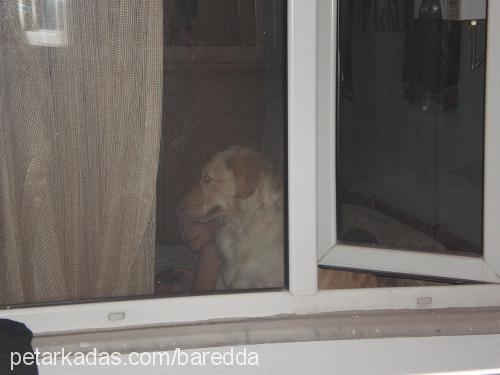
{"x":410,"y":129}
{"x":44,"y":22}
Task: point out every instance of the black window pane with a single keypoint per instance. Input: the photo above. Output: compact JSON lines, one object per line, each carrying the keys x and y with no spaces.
{"x":410,"y":125}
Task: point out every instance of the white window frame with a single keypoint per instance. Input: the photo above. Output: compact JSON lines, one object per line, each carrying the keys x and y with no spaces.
{"x":333,"y":254}
{"x":310,"y":223}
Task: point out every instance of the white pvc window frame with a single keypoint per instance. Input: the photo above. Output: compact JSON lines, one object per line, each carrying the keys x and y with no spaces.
{"x":311,"y":214}
{"x":332,"y":254}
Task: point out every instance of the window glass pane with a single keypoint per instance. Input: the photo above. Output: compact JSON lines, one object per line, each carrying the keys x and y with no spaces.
{"x":220,"y":207}
{"x":411,"y":124}
{"x":141,"y":148}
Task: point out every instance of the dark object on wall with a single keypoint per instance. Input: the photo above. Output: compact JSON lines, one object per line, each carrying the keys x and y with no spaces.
{"x":452,"y":10}
{"x":430,"y":9}
{"x":15,"y":337}
{"x":432,"y":55}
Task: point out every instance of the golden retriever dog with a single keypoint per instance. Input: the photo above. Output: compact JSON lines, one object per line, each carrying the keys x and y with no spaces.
{"x":238,"y":189}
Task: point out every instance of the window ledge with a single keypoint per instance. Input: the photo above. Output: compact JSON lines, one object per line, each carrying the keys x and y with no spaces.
{"x":318,"y":327}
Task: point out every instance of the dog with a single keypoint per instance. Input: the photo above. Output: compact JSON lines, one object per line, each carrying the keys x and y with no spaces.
{"x":239,"y":189}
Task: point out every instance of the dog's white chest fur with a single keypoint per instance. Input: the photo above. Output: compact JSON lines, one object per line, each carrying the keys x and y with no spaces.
{"x":239,"y":189}
{"x":251,"y":244}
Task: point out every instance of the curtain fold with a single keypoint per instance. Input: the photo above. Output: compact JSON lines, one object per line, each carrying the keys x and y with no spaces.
{"x":79,"y":146}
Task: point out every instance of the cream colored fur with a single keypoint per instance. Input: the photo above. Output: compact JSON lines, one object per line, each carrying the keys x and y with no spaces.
{"x":250,"y":236}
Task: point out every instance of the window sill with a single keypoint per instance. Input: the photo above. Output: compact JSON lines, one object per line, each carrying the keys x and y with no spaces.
{"x":287,"y":328}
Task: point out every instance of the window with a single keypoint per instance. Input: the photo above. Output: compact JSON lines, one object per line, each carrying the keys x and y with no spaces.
{"x":145,"y":157}
{"x":311,"y":87}
{"x":411,"y":151}
{"x":224,"y":86}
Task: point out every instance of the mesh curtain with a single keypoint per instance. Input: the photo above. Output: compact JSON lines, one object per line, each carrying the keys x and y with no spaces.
{"x":79,"y":145}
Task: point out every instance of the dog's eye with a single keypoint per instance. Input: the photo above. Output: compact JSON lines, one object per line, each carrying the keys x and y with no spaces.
{"x":206,"y":179}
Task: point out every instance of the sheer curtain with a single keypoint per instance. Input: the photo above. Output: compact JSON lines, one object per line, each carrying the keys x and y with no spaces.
{"x":79,"y":145}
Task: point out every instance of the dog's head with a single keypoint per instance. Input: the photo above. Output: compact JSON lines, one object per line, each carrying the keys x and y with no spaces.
{"x":229,"y":177}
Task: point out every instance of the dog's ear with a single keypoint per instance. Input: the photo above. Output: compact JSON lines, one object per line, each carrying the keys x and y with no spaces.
{"x":247,"y":168}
